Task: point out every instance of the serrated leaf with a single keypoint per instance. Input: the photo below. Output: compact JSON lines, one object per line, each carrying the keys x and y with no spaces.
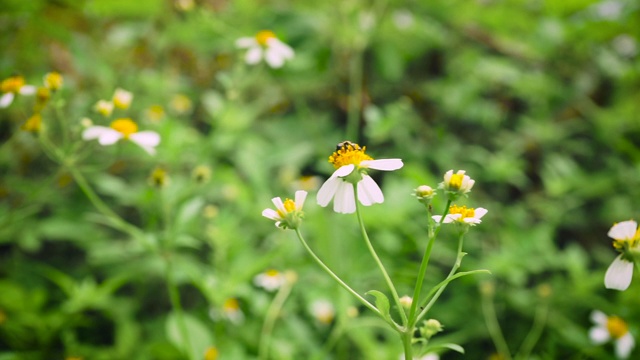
{"x":382,"y":303}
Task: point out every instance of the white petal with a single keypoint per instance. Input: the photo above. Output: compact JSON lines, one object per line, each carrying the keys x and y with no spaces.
{"x":451,"y":218}
{"x":279,"y":204}
{"x":343,"y":171}
{"x":369,"y":192}
{"x":383,"y":164}
{"x":436,"y":218}
{"x":599,"y":318}
{"x":246,"y":42}
{"x":599,"y":335}
{"x":345,"y":201}
{"x":94,"y":132}
{"x":109,"y":137}
{"x":447,"y":176}
{"x":301,"y":196}
{"x":285,"y":51}
{"x":623,"y":230}
{"x":146,"y":138}
{"x":27,"y":90}
{"x":328,"y":190}
{"x":624,"y":345}
{"x":254,"y":55}
{"x":271,"y":214}
{"x":480,"y":212}
{"x":619,"y":274}
{"x":273,"y":58}
{"x":472,"y":220}
{"x":6,"y":100}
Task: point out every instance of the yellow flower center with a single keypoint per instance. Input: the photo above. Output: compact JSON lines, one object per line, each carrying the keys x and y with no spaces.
{"x":231,"y":305}
{"x":634,"y":242}
{"x":211,"y":353}
{"x":462,"y":210}
{"x":272,"y":273}
{"x":124,"y":126}
{"x":348,"y":153}
{"x":456,"y":181}
{"x":263,"y":36}
{"x":53,"y":80}
{"x":12,"y":84}
{"x":617,"y":327}
{"x":33,"y":124}
{"x":289,"y":206}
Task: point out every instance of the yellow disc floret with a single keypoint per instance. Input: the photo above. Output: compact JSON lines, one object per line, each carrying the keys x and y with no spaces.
{"x":263,"y":36}
{"x":53,"y":80}
{"x":125,"y":126}
{"x":231,"y":305}
{"x":617,"y":327}
{"x":12,"y":84}
{"x":348,"y":153}
{"x":456,"y":181}
{"x":272,"y":273}
{"x":289,"y":207}
{"x":462,"y":210}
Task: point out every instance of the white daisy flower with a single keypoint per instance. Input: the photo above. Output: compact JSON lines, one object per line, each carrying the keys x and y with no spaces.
{"x":323,"y":311}
{"x":611,"y":328}
{"x":123,"y":129}
{"x":122,"y":98}
{"x":351,"y":165}
{"x":462,"y":214}
{"x":288,"y":214}
{"x":626,"y":239}
{"x":11,"y":86}
{"x":231,"y":310}
{"x":456,"y":184}
{"x":270,"y":280}
{"x":104,"y":107}
{"x":265,"y":45}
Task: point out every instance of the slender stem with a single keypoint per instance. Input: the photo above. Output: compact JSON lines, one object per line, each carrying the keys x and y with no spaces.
{"x":425,"y":261}
{"x":174,"y":296}
{"x":455,"y":267}
{"x":336,"y":278}
{"x":392,"y":288}
{"x":491,"y":321}
{"x":355,"y":95}
{"x":270,"y":319}
{"x":407,"y":336}
{"x":532,"y":338}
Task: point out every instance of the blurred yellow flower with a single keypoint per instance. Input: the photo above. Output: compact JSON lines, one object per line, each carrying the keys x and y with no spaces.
{"x":211,"y":353}
{"x":155,"y":113}
{"x":53,"y":81}
{"x":181,"y":104}
{"x":33,"y":124}
{"x":11,"y":86}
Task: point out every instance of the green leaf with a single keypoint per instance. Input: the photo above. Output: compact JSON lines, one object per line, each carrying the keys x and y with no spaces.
{"x":199,"y":336}
{"x":382,"y":303}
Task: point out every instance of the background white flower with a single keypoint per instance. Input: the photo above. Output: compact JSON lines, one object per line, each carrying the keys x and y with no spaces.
{"x":265,"y":45}
{"x":123,"y":129}
{"x":462,"y":214}
{"x":611,"y":328}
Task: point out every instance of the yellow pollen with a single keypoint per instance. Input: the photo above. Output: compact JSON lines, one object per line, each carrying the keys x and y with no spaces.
{"x":231,"y":305}
{"x":349,"y":154}
{"x":211,"y":353}
{"x":263,"y":36}
{"x":617,"y":327}
{"x":462,"y":210}
{"x":125,"y":126}
{"x":289,"y":206}
{"x":12,"y":84}
{"x":456,"y":181}
{"x":272,"y":273}
{"x":53,"y":80}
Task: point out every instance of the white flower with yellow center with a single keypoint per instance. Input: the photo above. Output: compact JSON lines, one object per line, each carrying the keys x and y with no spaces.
{"x":288,"y":214}
{"x":626,"y":239}
{"x":11,"y":86}
{"x":611,"y":328}
{"x":323,"y":311}
{"x":270,"y":280}
{"x":351,"y":165}
{"x":265,"y":45}
{"x":456,"y":184}
{"x":125,"y":129}
{"x":122,"y":98}
{"x":463,"y":215}
{"x":231,"y":310}
{"x":104,"y":107}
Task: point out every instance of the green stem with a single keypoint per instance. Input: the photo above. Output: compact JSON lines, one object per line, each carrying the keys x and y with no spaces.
{"x":407,"y":336}
{"x":336,"y":278}
{"x":176,"y":305}
{"x":532,"y":338}
{"x":491,"y":321}
{"x":392,"y":288}
{"x":455,"y":268}
{"x":355,"y":95}
{"x":425,"y":261}
{"x":270,"y":319}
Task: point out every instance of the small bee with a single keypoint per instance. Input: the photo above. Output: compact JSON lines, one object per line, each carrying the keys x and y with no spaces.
{"x":345,"y":144}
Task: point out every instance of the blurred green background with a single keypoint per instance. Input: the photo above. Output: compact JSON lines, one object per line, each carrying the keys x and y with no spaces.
{"x":539,"y":101}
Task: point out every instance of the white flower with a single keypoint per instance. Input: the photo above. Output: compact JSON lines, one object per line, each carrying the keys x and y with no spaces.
{"x":626,"y":240}
{"x":458,"y":182}
{"x":351,"y":163}
{"x":323,"y":311}
{"x":231,"y":310}
{"x":463,"y":215}
{"x":270,"y":280}
{"x":123,"y":129}
{"x":11,"y":86}
{"x":611,"y":328}
{"x":122,"y":98}
{"x":104,"y":107}
{"x":288,"y":214}
{"x":265,"y":45}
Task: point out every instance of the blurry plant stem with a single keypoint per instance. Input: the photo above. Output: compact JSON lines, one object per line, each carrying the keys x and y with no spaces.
{"x":491,"y":321}
{"x":355,"y":95}
{"x":407,"y":344}
{"x":392,"y":288}
{"x":532,"y":338}
{"x":336,"y":278}
{"x":60,"y":118}
{"x":432,"y":233}
{"x":270,"y":319}
{"x":174,"y":295}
